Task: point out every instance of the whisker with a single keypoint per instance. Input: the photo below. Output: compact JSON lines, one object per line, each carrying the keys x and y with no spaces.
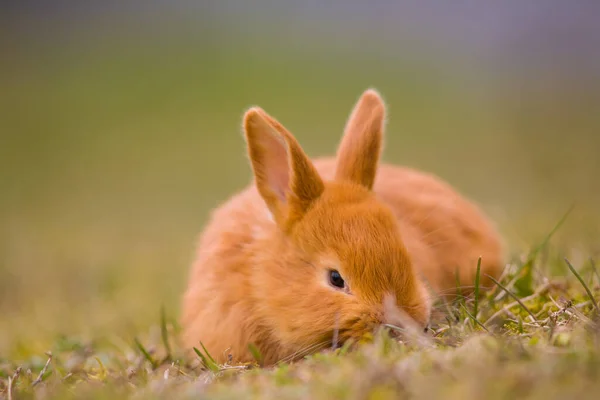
{"x":302,"y":352}
{"x":440,"y":242}
{"x":429,"y":214}
{"x":453,"y":290}
{"x":313,"y":349}
{"x":336,"y":331}
{"x":441,"y":228}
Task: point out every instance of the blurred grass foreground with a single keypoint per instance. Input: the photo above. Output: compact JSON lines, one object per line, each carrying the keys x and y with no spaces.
{"x":120,"y":130}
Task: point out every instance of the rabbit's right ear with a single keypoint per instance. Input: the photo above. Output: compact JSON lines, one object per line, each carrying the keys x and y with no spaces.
{"x":358,"y":153}
{"x":285,"y":177}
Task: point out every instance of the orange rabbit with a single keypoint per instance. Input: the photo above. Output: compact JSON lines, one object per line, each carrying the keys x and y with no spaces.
{"x":311,"y":249}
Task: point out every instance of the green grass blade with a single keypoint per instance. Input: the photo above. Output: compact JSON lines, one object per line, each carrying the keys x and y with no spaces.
{"x":460,"y":297}
{"x":474,"y":319}
{"x":208,"y":363}
{"x":255,"y":353}
{"x":208,"y":354}
{"x":593,"y":265}
{"x":511,"y":294}
{"x":523,"y":286}
{"x":560,"y":222}
{"x":477,"y":276}
{"x":147,"y":355}
{"x":164,"y":332}
{"x":586,"y":287}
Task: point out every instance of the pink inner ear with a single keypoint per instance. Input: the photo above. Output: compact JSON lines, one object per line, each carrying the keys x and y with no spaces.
{"x":277,"y":169}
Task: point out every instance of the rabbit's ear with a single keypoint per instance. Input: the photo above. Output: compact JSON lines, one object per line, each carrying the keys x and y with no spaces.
{"x":359,"y":151}
{"x":285,"y":177}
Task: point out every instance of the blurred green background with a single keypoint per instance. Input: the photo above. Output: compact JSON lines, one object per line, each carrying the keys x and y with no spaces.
{"x":120,"y":130}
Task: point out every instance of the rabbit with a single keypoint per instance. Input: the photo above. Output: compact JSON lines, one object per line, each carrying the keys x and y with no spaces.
{"x":309,"y":252}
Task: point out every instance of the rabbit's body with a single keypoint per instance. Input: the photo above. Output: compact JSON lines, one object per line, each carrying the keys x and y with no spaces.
{"x":254,"y":278}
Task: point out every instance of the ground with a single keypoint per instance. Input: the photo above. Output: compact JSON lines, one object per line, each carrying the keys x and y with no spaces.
{"x":533,"y":336}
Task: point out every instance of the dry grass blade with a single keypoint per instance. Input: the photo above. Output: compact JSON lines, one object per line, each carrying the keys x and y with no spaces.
{"x":585,"y":286}
{"x":40,"y":377}
{"x":511,"y":294}
{"x":11,"y":382}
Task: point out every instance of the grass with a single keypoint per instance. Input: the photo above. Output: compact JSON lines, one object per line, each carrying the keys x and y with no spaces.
{"x":543,"y":346}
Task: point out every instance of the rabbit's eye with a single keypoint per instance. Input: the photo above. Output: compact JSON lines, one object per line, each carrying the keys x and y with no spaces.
{"x":336,"y":279}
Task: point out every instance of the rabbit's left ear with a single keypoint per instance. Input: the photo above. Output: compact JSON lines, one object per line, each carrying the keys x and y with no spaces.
{"x":285,"y":177}
{"x":359,"y":151}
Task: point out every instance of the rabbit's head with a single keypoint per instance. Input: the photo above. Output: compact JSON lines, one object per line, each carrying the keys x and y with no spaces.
{"x":333,"y":264}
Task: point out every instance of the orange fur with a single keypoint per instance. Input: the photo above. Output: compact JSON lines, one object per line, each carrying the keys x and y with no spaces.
{"x":391,"y":232}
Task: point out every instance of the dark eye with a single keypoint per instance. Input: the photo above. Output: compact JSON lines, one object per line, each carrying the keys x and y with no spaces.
{"x":336,"y":279}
